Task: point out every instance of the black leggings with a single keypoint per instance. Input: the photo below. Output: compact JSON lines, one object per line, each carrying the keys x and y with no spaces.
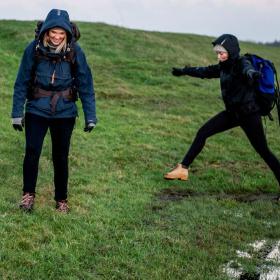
{"x":251,"y":125}
{"x":35,"y":131}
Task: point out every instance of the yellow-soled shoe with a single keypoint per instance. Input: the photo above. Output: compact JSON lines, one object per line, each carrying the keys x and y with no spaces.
{"x":178,"y":172}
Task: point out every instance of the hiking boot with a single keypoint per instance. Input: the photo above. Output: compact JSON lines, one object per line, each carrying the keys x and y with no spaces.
{"x":27,"y":202}
{"x":178,"y":172}
{"x":62,"y":206}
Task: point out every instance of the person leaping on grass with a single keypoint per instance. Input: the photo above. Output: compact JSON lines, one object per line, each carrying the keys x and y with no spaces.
{"x":237,"y":79}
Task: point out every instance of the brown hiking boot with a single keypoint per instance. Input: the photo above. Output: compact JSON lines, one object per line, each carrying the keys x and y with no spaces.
{"x":62,"y":206}
{"x":27,"y":202}
{"x":178,"y":172}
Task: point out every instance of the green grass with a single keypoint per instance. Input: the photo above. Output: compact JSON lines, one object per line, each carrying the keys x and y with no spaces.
{"x":118,"y":227}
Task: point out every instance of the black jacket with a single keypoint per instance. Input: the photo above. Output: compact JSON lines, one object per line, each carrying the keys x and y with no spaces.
{"x":238,"y":91}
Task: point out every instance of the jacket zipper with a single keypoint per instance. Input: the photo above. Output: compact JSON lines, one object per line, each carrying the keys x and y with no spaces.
{"x":53,"y":77}
{"x":53,"y":74}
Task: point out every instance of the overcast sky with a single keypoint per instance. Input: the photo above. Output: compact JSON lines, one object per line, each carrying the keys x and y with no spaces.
{"x":255,"y":20}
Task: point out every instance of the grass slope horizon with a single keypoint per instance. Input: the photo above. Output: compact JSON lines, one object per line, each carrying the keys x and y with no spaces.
{"x":126,"y":222}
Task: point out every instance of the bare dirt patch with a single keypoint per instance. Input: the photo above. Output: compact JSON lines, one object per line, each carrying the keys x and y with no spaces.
{"x":177,"y":194}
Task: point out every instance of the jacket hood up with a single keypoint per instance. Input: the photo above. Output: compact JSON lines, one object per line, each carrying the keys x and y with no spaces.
{"x":57,"y":18}
{"x":230,"y":43}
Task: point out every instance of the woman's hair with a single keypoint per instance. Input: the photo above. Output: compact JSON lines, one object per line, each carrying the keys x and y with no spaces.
{"x":62,"y":46}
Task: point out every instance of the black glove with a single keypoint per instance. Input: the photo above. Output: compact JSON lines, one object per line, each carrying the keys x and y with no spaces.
{"x":89,"y":126}
{"x":254,"y":75}
{"x":18,"y":123}
{"x":177,"y":72}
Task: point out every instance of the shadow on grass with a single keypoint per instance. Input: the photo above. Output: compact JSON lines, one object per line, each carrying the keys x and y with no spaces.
{"x":175,"y":194}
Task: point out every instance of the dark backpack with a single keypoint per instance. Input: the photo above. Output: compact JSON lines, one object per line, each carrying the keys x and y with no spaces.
{"x":267,"y":87}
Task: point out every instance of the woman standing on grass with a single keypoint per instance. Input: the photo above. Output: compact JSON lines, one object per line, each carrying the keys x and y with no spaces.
{"x":53,"y":69}
{"x":237,"y":77}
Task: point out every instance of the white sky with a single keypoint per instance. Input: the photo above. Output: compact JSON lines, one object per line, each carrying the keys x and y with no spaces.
{"x":256,"y":20}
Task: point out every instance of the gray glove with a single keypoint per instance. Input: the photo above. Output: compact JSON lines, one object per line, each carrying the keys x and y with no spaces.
{"x":89,"y":126}
{"x":18,"y":123}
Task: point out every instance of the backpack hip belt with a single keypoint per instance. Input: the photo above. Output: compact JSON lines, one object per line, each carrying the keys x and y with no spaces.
{"x":68,"y":94}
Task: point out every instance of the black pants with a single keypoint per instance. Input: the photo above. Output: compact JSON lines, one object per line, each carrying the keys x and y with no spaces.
{"x":251,"y":125}
{"x":35,"y":131}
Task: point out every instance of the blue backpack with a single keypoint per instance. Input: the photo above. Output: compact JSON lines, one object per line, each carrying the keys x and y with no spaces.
{"x":267,"y":87}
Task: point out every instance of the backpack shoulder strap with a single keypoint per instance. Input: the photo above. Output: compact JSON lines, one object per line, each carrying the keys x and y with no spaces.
{"x":248,"y":56}
{"x":71,"y":57}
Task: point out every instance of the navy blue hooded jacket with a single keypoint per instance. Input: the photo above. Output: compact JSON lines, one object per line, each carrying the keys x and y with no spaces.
{"x":81,"y":77}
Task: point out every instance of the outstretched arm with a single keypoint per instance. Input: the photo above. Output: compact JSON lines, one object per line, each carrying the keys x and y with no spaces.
{"x":208,"y":72}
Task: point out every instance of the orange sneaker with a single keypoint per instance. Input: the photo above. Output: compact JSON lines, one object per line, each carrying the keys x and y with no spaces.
{"x":178,"y":172}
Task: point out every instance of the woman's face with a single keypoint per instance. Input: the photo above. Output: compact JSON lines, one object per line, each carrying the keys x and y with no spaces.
{"x":56,"y":36}
{"x":222,"y":56}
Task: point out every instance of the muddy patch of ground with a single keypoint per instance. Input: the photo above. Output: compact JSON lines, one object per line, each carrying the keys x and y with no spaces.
{"x":176,"y":194}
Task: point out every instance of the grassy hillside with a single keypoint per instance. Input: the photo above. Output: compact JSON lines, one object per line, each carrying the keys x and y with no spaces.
{"x":126,"y":221}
